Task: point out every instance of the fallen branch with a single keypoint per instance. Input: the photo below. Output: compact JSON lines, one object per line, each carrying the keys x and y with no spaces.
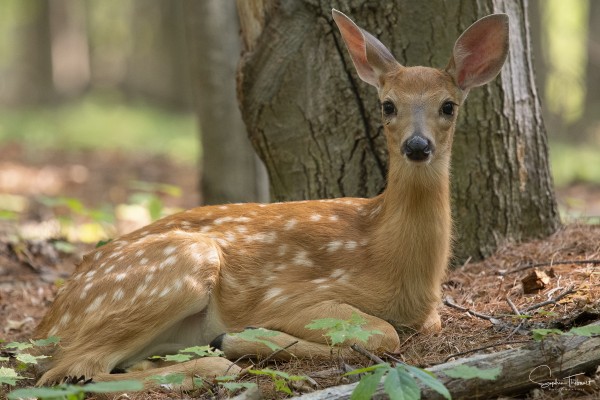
{"x":473,"y":313}
{"x":489,"y":346}
{"x":360,"y":350}
{"x":548,"y":264}
{"x":522,"y":369}
{"x":567,"y":292}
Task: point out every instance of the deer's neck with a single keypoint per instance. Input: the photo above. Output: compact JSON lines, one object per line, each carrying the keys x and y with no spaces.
{"x":411,"y":238}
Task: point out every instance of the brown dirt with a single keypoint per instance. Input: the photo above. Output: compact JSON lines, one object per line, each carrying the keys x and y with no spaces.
{"x":30,"y":270}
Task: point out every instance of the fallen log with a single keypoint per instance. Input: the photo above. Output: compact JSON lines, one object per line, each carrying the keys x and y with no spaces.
{"x":549,"y":365}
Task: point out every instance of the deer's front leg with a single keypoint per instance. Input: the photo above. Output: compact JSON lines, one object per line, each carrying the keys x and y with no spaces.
{"x":291,"y":328}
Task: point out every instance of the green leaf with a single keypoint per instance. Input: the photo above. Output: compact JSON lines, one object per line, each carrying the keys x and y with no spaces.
{"x":339,"y":330}
{"x":258,"y":335}
{"x":45,"y":342}
{"x":366,"y":369}
{"x":177,"y":357}
{"x":540,"y":334}
{"x":18,"y":345}
{"x":589,"y":330}
{"x":226,"y":378}
{"x":367,"y":385}
{"x":203,"y":351}
{"x":233,"y":386}
{"x":9,"y":376}
{"x":3,"y":359}
{"x":45,"y":392}
{"x":103,"y":242}
{"x":155,"y":207}
{"x":281,"y":386}
{"x":28,"y":358}
{"x":428,"y":379}
{"x":399,"y":385}
{"x":198,"y":382}
{"x":115,"y":386}
{"x":64,"y":247}
{"x":170,"y":379}
{"x":469,"y":372}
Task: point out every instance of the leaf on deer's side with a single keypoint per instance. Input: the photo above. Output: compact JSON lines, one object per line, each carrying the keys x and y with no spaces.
{"x":177,"y":357}
{"x":45,"y":342}
{"x":258,"y":335}
{"x":203,"y":351}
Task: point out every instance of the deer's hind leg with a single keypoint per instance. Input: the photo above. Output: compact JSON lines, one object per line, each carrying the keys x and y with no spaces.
{"x":156,"y":299}
{"x":307,"y":343}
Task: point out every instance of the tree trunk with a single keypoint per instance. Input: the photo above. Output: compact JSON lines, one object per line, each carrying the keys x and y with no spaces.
{"x":318,"y":128}
{"x":157,"y":67}
{"x":25,"y":59}
{"x":521,"y":370}
{"x":230,"y":169}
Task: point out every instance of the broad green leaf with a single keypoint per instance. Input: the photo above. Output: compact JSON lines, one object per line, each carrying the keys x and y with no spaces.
{"x":198,"y":382}
{"x":103,"y":242}
{"x":589,"y":330}
{"x":281,"y":386}
{"x":9,"y":376}
{"x":540,"y":334}
{"x":339,"y":330}
{"x":469,"y":372}
{"x":115,"y":386}
{"x":367,"y":385}
{"x":366,"y":369}
{"x":233,"y":386}
{"x":203,"y":351}
{"x":428,"y":379}
{"x":225,"y":378}
{"x":28,"y":358}
{"x":18,"y":345}
{"x":45,"y":342}
{"x":177,"y":357}
{"x":399,"y":385}
{"x":324,"y":323}
{"x":64,"y":247}
{"x":3,"y":359}
{"x":170,"y":379}
{"x":258,"y":335}
{"x":45,"y":392}
{"x":277,"y":374}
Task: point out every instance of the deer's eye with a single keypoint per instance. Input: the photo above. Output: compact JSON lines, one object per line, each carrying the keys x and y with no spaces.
{"x":388,"y":108}
{"x":447,"y":108}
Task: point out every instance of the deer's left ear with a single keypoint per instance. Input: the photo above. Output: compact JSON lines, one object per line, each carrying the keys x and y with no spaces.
{"x":480,"y":52}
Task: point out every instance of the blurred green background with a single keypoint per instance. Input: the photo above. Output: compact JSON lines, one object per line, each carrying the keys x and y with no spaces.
{"x":105,"y":80}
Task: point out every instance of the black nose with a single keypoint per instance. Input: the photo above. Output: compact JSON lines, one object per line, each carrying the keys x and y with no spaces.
{"x":417,"y":148}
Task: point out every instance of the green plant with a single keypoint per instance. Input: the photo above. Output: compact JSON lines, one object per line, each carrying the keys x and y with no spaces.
{"x":588,"y":330}
{"x":399,"y":382}
{"x":258,"y":335}
{"x":339,"y":330}
{"x":148,"y":195}
{"x":280,"y":379}
{"x":75,"y":392}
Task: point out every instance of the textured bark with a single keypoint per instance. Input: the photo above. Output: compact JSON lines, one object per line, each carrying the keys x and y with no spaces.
{"x":522,"y":369}
{"x":231,"y":172}
{"x":317,"y":127}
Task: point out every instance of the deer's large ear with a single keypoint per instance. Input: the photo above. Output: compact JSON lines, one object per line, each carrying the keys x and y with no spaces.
{"x":480,"y":52}
{"x":371,"y":58}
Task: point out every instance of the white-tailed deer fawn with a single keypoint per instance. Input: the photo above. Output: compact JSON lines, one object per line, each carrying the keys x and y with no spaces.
{"x":189,"y":278}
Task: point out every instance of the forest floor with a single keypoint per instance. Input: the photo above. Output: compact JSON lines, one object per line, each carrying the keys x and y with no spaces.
{"x":32,"y":267}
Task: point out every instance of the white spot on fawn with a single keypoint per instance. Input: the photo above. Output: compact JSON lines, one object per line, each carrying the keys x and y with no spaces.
{"x":290,"y":224}
{"x":315,"y":217}
{"x":282,"y":250}
{"x":350,"y":245}
{"x":120,"y":276}
{"x":118,"y":294}
{"x":65,"y":319}
{"x":271,"y":293}
{"x":89,"y":275}
{"x":212,"y":256}
{"x":107,"y":270}
{"x":223,"y":207}
{"x":168,"y":261}
{"x":97,"y":255}
{"x":164,"y":292}
{"x":85,"y":290}
{"x":333,"y":218}
{"x":94,"y":305}
{"x":301,"y":258}
{"x":241,"y":229}
{"x":205,"y":229}
{"x":337,"y":273}
{"x":334,"y":246}
{"x":139,"y":253}
{"x":169,"y":250}
{"x":229,"y":236}
{"x":318,"y":281}
{"x":144,"y":261}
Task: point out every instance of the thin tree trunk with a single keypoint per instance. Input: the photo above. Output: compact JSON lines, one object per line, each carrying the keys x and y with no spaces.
{"x":230,"y":169}
{"x":318,"y":128}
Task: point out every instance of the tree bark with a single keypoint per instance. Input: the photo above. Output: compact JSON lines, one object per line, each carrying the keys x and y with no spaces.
{"x":26,"y":62}
{"x":522,"y":370}
{"x":230,"y":171}
{"x":318,"y":128}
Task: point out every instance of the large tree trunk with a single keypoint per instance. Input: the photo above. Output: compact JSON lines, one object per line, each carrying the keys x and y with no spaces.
{"x":25,"y":59}
{"x":231,"y":172}
{"x":318,"y":128}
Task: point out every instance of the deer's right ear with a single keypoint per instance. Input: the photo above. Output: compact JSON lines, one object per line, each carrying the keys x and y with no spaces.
{"x":370,"y":57}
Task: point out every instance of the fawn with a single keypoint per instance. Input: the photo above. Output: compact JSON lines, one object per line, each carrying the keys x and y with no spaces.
{"x":195,"y":277}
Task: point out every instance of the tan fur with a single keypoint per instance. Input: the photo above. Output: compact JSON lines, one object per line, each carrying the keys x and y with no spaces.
{"x":187,"y":278}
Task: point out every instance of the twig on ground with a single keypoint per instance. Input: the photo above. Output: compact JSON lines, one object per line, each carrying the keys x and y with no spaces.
{"x":462,"y":353}
{"x":567,"y":292}
{"x":549,"y":264}
{"x":469,"y":311}
{"x":512,"y":306}
{"x":359,"y":349}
